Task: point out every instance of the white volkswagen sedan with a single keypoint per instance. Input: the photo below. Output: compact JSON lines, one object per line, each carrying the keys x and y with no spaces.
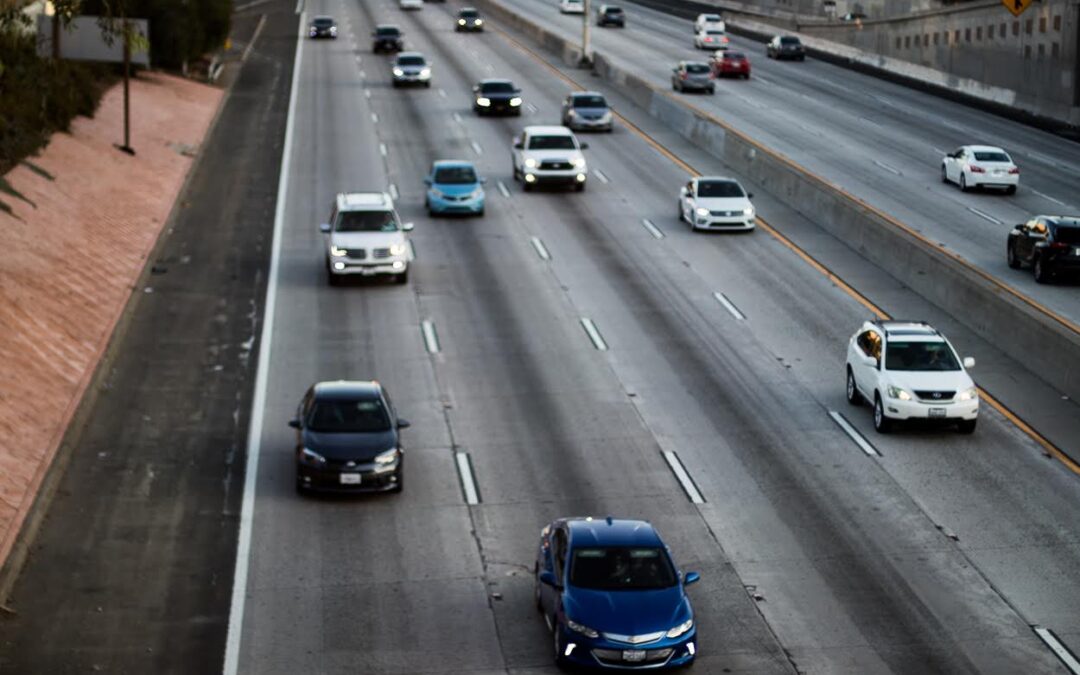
{"x":716,"y":203}
{"x":975,"y":166}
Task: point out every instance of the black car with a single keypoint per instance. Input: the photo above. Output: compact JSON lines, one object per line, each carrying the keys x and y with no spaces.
{"x":610,"y":15}
{"x":387,"y":39}
{"x":1049,"y":244}
{"x":468,"y":19}
{"x":348,"y":439}
{"x":323,"y":27}
{"x":496,"y":96}
{"x":786,"y":47}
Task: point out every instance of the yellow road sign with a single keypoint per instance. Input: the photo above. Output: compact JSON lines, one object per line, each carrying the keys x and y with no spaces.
{"x":1016,"y":6}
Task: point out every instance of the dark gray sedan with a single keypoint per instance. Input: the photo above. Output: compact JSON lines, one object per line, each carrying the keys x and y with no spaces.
{"x":693,"y":76}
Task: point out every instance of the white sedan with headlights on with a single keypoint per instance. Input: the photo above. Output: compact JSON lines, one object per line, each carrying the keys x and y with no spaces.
{"x":975,"y":166}
{"x":716,"y":203}
{"x":411,"y":68}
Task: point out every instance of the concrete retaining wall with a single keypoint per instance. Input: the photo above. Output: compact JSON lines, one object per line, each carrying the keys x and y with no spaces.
{"x":1046,"y":345}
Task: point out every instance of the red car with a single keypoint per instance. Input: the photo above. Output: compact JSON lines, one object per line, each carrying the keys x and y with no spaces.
{"x":728,"y":63}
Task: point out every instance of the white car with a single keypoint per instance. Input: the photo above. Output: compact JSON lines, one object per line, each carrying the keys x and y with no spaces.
{"x":708,"y":22}
{"x":716,"y":203}
{"x":544,"y":154}
{"x":909,"y":371}
{"x":365,"y":237}
{"x":974,"y":166}
{"x":572,"y":6}
{"x":410,"y":4}
{"x":711,"y":38}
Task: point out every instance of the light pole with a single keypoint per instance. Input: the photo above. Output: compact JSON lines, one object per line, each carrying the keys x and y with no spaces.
{"x":585,"y":61}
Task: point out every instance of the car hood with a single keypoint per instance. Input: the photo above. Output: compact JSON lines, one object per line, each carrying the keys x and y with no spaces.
{"x":949,"y":380}
{"x":627,"y":612}
{"x":366,"y":239}
{"x":554,"y":154}
{"x":360,"y":447}
{"x":456,"y":190}
{"x":722,"y":203}
{"x":592,"y":112}
{"x":412,"y":69}
{"x":501,"y":96}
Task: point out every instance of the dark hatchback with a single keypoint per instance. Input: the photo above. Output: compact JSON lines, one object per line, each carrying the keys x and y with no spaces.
{"x":610,"y":15}
{"x":387,"y":38}
{"x":1050,"y":245}
{"x":348,"y":439}
{"x":496,"y":96}
{"x":786,"y":47}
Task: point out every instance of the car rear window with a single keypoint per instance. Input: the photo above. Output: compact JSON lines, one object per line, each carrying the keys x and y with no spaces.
{"x":1067,"y":235}
{"x":455,"y":175}
{"x":366,"y":221}
{"x":551,"y":143}
{"x":919,"y":356}
{"x":367,"y":415}
{"x":613,"y":10}
{"x":789,"y":41}
{"x":589,"y":102}
{"x":497,"y":88}
{"x":985,"y":156}
{"x":714,"y":32}
{"x":720,"y":188}
{"x":411,"y":61}
{"x":621,"y":568}
{"x":697,"y":68}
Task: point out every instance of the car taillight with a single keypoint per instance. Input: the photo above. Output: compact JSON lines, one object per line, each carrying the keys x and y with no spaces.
{"x":1057,"y":244}
{"x":976,"y":169}
{"x":1015,"y":170}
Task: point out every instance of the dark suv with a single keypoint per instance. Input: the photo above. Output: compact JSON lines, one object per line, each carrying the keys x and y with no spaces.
{"x":1049,"y":244}
{"x":610,"y":15}
{"x":786,"y":47}
{"x":387,"y":39}
{"x":348,"y":439}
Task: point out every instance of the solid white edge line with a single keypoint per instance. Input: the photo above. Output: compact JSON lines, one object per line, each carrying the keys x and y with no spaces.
{"x":1060,"y":650}
{"x":985,"y":216}
{"x":393,"y":192}
{"x":258,"y":403}
{"x":476,"y":147}
{"x":683,"y":477}
{"x":729,"y":306}
{"x":431,"y":338}
{"x":854,"y":435}
{"x":503,"y":189}
{"x":600,"y":175}
{"x":541,"y":250}
{"x":468,"y":485}
{"x":653,"y":229}
{"x":594,"y":335}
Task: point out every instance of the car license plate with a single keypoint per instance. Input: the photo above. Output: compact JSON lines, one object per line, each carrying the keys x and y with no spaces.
{"x":367,"y":272}
{"x":937,"y":412}
{"x":350,"y":479}
{"x":633,"y":655}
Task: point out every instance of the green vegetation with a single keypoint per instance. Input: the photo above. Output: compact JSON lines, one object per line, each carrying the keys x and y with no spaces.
{"x":179,"y":31}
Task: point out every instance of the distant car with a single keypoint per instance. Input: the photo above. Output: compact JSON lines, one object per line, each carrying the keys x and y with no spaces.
{"x":469,"y":19}
{"x":711,"y":39}
{"x":410,"y":4}
{"x":786,"y":47}
{"x":453,"y":186}
{"x":1049,"y":244}
{"x":323,"y":27}
{"x":716,"y":203}
{"x":612,"y":596}
{"x":364,"y":237}
{"x":727,"y":63}
{"x":693,"y":76}
{"x":908,"y":371}
{"x":499,"y":96}
{"x":853,"y":16}
{"x":411,"y":68}
{"x":544,"y":154}
{"x":586,"y":110}
{"x":572,"y":6}
{"x":709,"y":21}
{"x":610,"y":15}
{"x":348,"y":439}
{"x":976,"y":166}
{"x":387,"y":38}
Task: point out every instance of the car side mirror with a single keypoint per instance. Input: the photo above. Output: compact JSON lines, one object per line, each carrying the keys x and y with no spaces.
{"x":584,"y":146}
{"x":403,"y":423}
{"x":324,"y":228}
{"x":295,"y":424}
{"x":969,"y":362}
{"x":408,"y":227}
{"x":547,"y":578}
{"x":749,"y":195}
{"x":427,"y":181}
{"x":691,"y":577}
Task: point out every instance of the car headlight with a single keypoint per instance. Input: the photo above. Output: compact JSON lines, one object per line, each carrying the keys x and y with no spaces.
{"x":748,"y":211}
{"x":398,"y":72}
{"x":338,"y":252}
{"x":968,"y":395}
{"x":516,"y":101}
{"x":530,"y":163}
{"x":476,"y":194}
{"x":579,"y":628}
{"x":387,"y":457}
{"x":701,"y":212}
{"x":578,"y":162}
{"x":397,"y":249}
{"x":461,"y":22}
{"x":333,"y":31}
{"x":426,"y":72}
{"x":308,"y":456}
{"x":483,"y":102}
{"x":681,"y":629}
{"x":479,"y":22}
{"x":897,"y":392}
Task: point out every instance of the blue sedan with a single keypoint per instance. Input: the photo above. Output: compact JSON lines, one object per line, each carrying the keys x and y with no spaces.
{"x":454,"y":187}
{"x":612,"y":597}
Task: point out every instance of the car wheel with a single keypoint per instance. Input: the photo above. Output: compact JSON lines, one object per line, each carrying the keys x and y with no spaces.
{"x":967,"y":426}
{"x":944,"y":174}
{"x":1011,"y":190}
{"x":427,"y":84}
{"x":882,"y":424}
{"x":853,"y":395}
{"x":536,"y":586}
{"x":682,"y":218}
{"x":580,"y":187}
{"x":331,"y":278}
{"x":400,"y":485}
{"x":560,"y":660}
{"x":1042,"y":275}
{"x":526,"y":186}
{"x":802,"y":58}
{"x":1010,"y":256}
{"x":403,"y":278}
{"x":963,"y":182}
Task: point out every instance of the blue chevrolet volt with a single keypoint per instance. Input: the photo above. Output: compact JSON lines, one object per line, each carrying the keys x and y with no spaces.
{"x":612,"y":596}
{"x":454,"y":187}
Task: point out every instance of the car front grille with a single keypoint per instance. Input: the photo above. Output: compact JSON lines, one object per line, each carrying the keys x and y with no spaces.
{"x":380,"y":253}
{"x":614,"y":657}
{"x":556,"y":165}
{"x":935,"y":395}
{"x":726,"y":214}
{"x":356,"y":253}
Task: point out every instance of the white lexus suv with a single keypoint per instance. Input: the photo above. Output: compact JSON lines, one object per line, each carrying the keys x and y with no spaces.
{"x":909,"y":371}
{"x":715,"y":203}
{"x":549,"y":155}
{"x":365,"y":237}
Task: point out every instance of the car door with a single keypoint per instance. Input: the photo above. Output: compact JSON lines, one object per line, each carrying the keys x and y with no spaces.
{"x":566,"y":105}
{"x":951,"y":159}
{"x":1024,"y":243}
{"x":518,"y":151}
{"x":868,"y":343}
{"x":687,"y":202}
{"x":555,"y":562}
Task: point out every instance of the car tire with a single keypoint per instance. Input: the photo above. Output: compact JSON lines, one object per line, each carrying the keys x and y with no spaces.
{"x":1011,"y":257}
{"x":944,"y":174}
{"x":402,"y":278}
{"x":580,"y":187}
{"x":301,"y":490}
{"x":882,"y":424}
{"x":1011,"y":190}
{"x":560,"y":660}
{"x":331,"y":278}
{"x":526,"y":186}
{"x":802,"y":58}
{"x":1042,"y":275}
{"x":967,"y":426}
{"x":682,"y":218}
{"x":852,"y":391}
{"x":963,"y":182}
{"x":428,"y":84}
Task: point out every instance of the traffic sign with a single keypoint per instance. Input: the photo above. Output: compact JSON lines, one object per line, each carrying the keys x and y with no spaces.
{"x":1017,"y":7}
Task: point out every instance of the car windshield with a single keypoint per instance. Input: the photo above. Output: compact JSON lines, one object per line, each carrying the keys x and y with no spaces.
{"x":991,"y":156}
{"x":589,"y":102}
{"x":697,"y":68}
{"x":497,"y":87}
{"x":710,"y":18}
{"x":920,"y":356}
{"x":366,"y":221}
{"x":468,"y":14}
{"x":551,"y":143}
{"x":789,"y":40}
{"x":720,"y":188}
{"x":323,"y":22}
{"x":613,"y":10}
{"x":455,"y":175}
{"x":348,"y":416}
{"x":1067,"y":235}
{"x":387,"y":32}
{"x":621,"y":569}
{"x":411,"y":61}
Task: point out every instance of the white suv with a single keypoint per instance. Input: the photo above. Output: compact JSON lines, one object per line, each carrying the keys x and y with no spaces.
{"x":364,"y":237}
{"x":909,"y":371}
{"x":549,"y":155}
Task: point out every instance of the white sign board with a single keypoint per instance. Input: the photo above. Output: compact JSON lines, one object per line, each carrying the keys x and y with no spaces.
{"x":83,"y":40}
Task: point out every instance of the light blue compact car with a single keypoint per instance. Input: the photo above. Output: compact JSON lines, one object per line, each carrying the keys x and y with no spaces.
{"x":454,"y":187}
